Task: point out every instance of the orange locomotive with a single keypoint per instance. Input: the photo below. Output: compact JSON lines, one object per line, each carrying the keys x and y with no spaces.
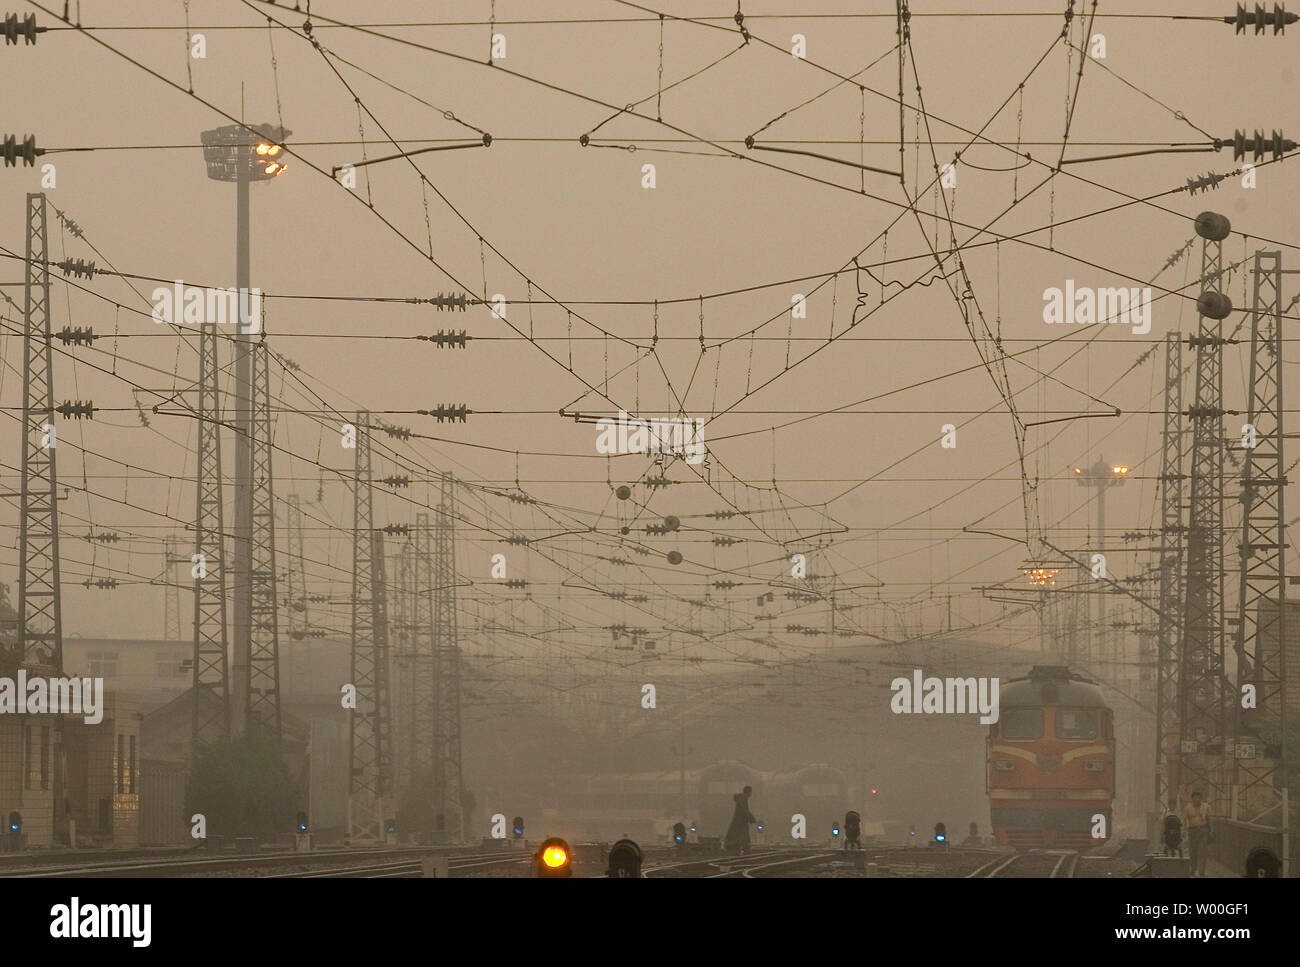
{"x":1051,"y":761}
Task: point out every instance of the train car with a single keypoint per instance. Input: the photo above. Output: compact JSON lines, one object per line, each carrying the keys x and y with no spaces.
{"x":819,"y":793}
{"x":610,"y":806}
{"x":718,"y":785}
{"x":1050,"y":761}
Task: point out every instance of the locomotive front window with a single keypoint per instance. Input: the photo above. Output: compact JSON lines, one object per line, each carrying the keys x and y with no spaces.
{"x":1022,"y":723}
{"x":1076,"y":723}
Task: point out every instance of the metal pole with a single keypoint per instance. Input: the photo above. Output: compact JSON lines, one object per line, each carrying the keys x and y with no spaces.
{"x":243,"y":549}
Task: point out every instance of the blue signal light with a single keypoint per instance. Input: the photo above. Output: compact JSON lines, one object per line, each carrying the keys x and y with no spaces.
{"x":835,"y":830}
{"x":760,"y":827}
{"x":941,"y":838}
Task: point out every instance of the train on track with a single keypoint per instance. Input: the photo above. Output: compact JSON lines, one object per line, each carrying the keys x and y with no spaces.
{"x":1051,"y":762}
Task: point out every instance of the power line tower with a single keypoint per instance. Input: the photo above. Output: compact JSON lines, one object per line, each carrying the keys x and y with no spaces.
{"x":263,"y":670}
{"x":171,"y":590}
{"x":211,"y":693}
{"x":383,"y":704}
{"x":1170,"y":624}
{"x":1261,"y":638}
{"x":447,"y":764}
{"x":402,"y":653}
{"x":296,"y":568}
{"x":40,"y":621}
{"x":366,"y":785}
{"x":423,"y":697}
{"x":1201,"y":673}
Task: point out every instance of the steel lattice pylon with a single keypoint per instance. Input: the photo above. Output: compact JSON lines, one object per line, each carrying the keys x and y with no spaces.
{"x":264,"y":651}
{"x":383,"y":705}
{"x":1172,"y":589}
{"x":1201,"y":672}
{"x":211,"y":691}
{"x":366,"y":786}
{"x":171,"y":592}
{"x":423,"y":698}
{"x":1261,"y":658}
{"x":295,"y":570}
{"x":401,"y":684}
{"x":447,"y":762}
{"x":40,"y":624}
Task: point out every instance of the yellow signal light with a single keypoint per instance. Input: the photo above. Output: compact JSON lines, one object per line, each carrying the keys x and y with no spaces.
{"x":554,"y":857}
{"x":263,"y":148}
{"x":273,"y":150}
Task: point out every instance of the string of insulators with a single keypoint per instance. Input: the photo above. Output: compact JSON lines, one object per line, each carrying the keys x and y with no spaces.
{"x":1259,"y":145}
{"x":77,"y":268}
{"x":800,"y":596}
{"x":521,"y":499}
{"x":104,"y":537}
{"x":1277,"y":18}
{"x":26,"y":28}
{"x":80,"y":336}
{"x":396,"y":530}
{"x":1206,"y":182}
{"x":455,"y":413}
{"x":454,"y":339}
{"x":76,"y":410}
{"x":26,"y":152}
{"x":638,"y":598}
{"x":643,"y":551}
{"x":318,"y":598}
{"x":658,"y":529}
{"x":517,"y":539}
{"x":287,"y":363}
{"x":104,"y":584}
{"x":397,"y":432}
{"x":725,"y":541}
{"x":725,"y":585}
{"x":618,"y":560}
{"x":516,"y":583}
{"x":655,"y":483}
{"x":447,"y":303}
{"x":396,"y":481}
{"x":723,"y":514}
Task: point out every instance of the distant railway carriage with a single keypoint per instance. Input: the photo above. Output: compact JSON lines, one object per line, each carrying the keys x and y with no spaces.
{"x":1051,"y":761}
{"x":715,"y":800}
{"x":818,"y":792}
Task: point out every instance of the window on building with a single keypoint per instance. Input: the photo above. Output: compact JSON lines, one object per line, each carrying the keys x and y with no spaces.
{"x":169,"y":665}
{"x":101,"y":664}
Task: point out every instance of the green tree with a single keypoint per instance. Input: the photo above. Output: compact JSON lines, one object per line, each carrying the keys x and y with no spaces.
{"x":242,"y":787}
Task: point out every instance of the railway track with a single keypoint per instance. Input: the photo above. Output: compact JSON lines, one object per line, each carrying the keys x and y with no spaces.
{"x":1055,"y":864}
{"x":196,"y":865}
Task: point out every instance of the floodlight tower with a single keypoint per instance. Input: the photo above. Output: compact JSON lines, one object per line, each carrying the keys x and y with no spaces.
{"x":242,"y":154}
{"x":1101,"y":476}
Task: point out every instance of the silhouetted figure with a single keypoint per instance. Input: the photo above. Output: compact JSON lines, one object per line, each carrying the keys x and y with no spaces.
{"x":737,"y":839}
{"x":1196,"y":816}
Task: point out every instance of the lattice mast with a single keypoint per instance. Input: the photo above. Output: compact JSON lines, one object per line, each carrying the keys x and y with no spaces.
{"x":211,"y":692}
{"x":40,"y":622}
{"x":1260,"y":765}
{"x":447,"y":666}
{"x":1201,"y":715}
{"x":264,"y":649}
{"x":365,"y":720}
{"x":1172,"y":584}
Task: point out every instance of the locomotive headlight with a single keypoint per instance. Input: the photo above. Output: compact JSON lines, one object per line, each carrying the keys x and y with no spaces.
{"x":1004,"y":765}
{"x":1094,"y":765}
